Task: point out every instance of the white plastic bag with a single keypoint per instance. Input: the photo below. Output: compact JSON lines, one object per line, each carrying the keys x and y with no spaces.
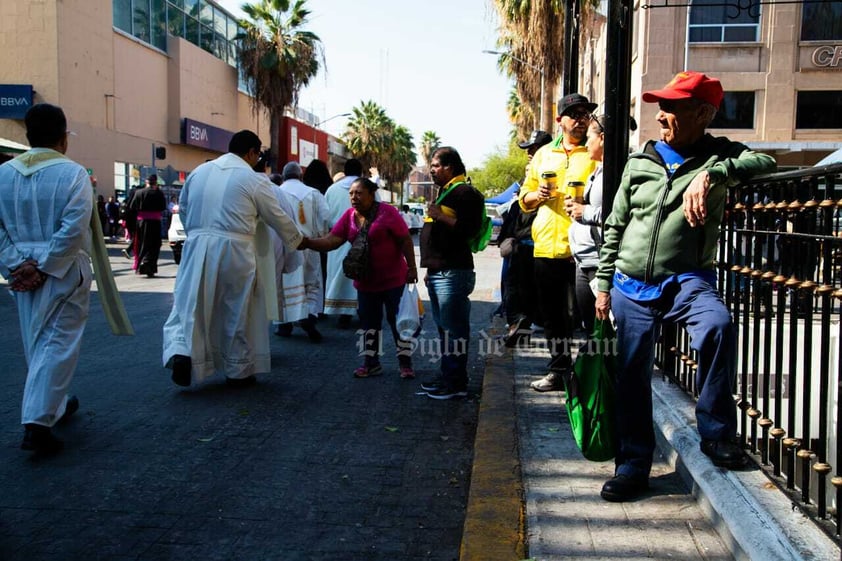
{"x":408,"y":321}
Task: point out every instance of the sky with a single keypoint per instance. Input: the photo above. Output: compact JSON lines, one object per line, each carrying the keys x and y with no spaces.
{"x":421,"y":61}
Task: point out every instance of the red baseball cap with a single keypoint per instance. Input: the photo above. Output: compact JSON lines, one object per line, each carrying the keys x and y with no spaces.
{"x":687,"y":85}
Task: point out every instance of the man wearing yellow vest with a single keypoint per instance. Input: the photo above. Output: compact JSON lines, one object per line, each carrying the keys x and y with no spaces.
{"x":557,"y":170}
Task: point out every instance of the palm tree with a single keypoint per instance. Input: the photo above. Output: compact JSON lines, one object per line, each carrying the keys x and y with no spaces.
{"x":520,"y":115}
{"x":278,"y":57}
{"x":430,"y":142}
{"x":366,"y":132}
{"x":398,"y":158}
{"x":533,"y":31}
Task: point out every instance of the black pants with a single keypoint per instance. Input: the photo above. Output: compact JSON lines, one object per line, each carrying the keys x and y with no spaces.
{"x":585,"y":300}
{"x":520,"y":286}
{"x":554,"y":280}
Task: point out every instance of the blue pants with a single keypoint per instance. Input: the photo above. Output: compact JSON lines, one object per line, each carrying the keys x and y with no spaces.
{"x":696,"y":305}
{"x":371,"y":306}
{"x":450,"y":305}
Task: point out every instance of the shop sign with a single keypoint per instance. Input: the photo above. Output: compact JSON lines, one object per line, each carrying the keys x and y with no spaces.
{"x":828,"y":56}
{"x":196,"y":133}
{"x":15,"y":100}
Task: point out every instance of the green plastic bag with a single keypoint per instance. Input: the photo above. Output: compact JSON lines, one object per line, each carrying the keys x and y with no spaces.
{"x":590,"y":395}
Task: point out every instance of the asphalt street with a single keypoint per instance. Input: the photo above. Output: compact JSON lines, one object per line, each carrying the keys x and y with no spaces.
{"x":309,"y":464}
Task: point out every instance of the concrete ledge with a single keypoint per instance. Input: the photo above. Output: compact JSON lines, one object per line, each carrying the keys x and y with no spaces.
{"x":494,"y":517}
{"x":753,"y":517}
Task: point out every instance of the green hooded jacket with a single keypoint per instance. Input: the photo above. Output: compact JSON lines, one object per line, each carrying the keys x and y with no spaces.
{"x":646,"y":235}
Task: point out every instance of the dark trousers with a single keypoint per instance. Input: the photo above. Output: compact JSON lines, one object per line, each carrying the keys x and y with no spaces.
{"x":370,"y":309}
{"x":585,"y":300}
{"x":554,"y":279}
{"x":696,"y":305}
{"x":520,"y":286}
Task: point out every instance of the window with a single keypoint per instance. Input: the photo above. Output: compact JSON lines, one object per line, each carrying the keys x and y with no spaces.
{"x":818,"y":110}
{"x":736,"y":111}
{"x":198,"y":21}
{"x":821,"y":21}
{"x":713,"y":22}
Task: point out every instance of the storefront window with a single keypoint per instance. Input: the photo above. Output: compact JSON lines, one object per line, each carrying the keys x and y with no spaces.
{"x":713,"y":21}
{"x":736,"y":111}
{"x":818,"y":110}
{"x":821,"y":21}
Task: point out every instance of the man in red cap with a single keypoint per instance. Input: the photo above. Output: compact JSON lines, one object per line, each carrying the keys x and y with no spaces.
{"x":657,"y":266}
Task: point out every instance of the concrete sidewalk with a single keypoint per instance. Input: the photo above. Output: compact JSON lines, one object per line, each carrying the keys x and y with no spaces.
{"x":692,"y":511}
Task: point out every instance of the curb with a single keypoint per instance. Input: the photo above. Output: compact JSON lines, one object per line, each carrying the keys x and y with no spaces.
{"x":755,"y":520}
{"x":494,"y":518}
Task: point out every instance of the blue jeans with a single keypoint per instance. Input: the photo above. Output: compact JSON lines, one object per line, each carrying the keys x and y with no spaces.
{"x":371,"y":306}
{"x":697,"y":306}
{"x":451,"y":308}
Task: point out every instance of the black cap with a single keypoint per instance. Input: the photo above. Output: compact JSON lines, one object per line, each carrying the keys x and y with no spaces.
{"x":571,"y":100}
{"x":536,"y":139}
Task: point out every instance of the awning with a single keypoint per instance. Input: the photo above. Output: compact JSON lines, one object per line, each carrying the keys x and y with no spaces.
{"x":12,"y":147}
{"x":505,"y":196}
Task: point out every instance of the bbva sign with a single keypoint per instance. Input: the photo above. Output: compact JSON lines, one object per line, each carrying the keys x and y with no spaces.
{"x":15,"y":100}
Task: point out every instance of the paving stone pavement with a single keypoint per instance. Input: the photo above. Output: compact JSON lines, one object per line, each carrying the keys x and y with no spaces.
{"x":565,"y":517}
{"x":310,"y":464}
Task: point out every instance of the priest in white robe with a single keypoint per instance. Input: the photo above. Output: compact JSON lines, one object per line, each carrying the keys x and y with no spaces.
{"x":46,"y":204}
{"x":224,"y":288}
{"x":303,"y":298}
{"x":340,"y":294}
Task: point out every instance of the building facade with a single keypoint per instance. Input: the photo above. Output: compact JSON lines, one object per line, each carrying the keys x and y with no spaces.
{"x":132,"y":76}
{"x":780,"y":64}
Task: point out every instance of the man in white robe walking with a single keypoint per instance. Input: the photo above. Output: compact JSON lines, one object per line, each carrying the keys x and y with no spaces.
{"x":45,"y":241}
{"x":340,"y":294}
{"x":303,"y":296}
{"x":219,"y":320}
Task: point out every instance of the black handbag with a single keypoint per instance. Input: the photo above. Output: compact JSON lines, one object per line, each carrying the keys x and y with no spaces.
{"x":356,"y":264}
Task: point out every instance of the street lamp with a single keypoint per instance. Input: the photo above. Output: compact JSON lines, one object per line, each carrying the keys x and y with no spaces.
{"x":320,"y":123}
{"x":533,"y":67}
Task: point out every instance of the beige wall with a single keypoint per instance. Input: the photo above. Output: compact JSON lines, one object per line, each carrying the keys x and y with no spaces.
{"x":775,"y":68}
{"x":120,"y":95}
{"x":28,"y":54}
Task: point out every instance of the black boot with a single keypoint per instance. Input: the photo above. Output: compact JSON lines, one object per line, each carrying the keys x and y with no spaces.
{"x":40,"y":439}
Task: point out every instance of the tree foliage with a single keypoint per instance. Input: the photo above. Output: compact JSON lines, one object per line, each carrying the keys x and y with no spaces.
{"x":499,"y":171}
{"x":278,"y":57}
{"x":377,"y":141}
{"x":430,"y":142}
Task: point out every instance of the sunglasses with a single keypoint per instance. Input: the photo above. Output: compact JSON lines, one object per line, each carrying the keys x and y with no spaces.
{"x":577,"y":115}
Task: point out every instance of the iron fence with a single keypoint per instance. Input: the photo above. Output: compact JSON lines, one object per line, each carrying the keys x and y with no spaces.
{"x":780,"y":274}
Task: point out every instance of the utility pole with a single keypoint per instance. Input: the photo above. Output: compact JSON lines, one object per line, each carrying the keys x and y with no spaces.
{"x":571,"y":46}
{"x":617,"y":94}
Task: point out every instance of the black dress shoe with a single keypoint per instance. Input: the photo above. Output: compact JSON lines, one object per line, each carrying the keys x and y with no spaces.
{"x":70,"y":409}
{"x":241,"y":382}
{"x":518,"y":331}
{"x":309,"y":326}
{"x":181,"y":370}
{"x":621,"y":488}
{"x":344,"y":321}
{"x":724,"y":453}
{"x":40,"y":439}
{"x":283,"y":330}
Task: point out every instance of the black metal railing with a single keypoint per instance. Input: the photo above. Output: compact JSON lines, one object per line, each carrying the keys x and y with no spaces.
{"x":780,"y":273}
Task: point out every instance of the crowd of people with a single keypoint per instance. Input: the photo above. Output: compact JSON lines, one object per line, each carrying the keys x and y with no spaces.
{"x":252,"y":256}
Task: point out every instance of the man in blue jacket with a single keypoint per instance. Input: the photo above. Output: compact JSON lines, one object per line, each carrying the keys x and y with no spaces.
{"x":657,"y":266}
